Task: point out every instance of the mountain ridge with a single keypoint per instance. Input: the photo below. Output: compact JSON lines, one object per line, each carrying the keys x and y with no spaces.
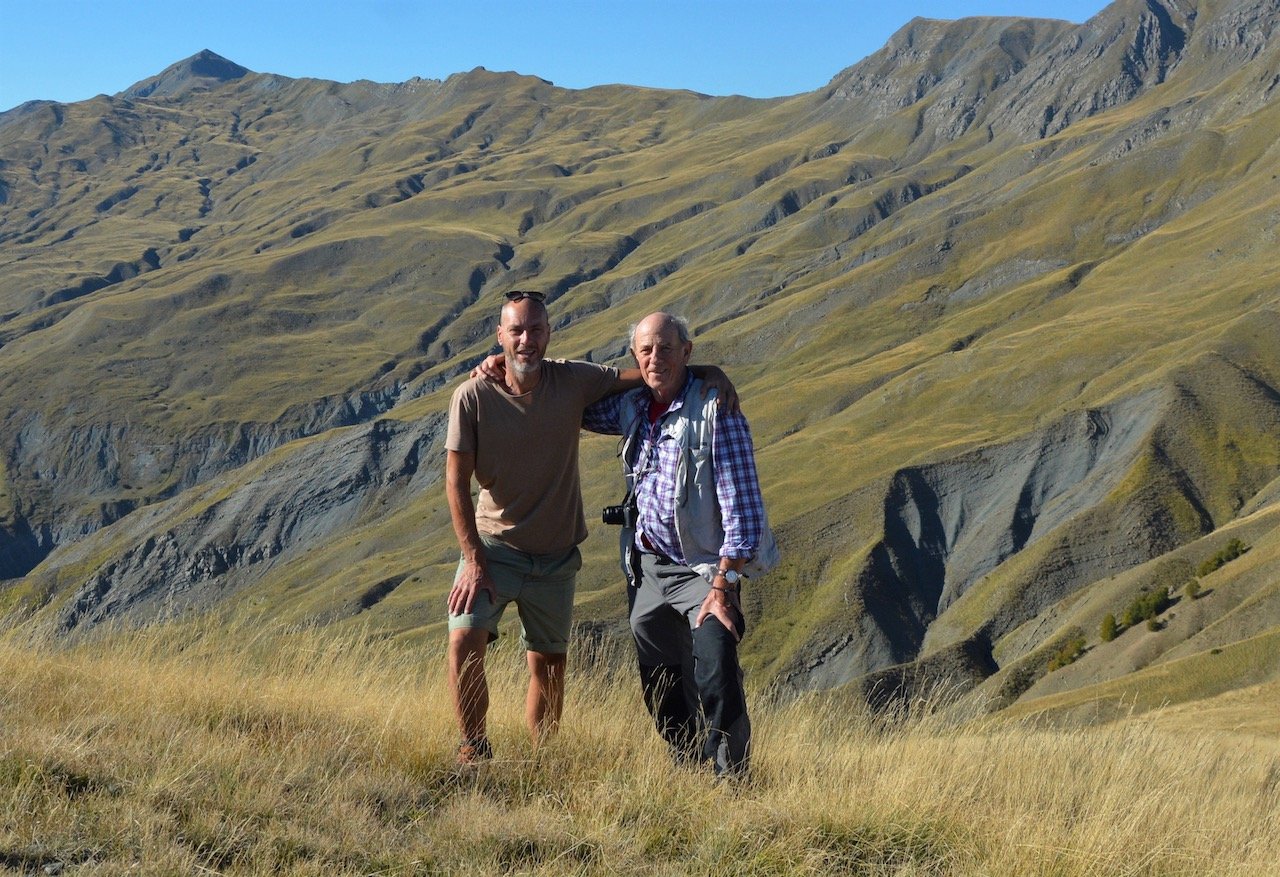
{"x":918,"y":261}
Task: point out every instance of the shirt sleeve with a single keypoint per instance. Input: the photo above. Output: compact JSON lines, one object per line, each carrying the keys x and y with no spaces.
{"x":605,"y":416}
{"x":462,"y":421}
{"x":737,"y":486}
{"x":595,"y":381}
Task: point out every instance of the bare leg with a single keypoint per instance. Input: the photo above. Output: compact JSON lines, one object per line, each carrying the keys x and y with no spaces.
{"x":545,"y":700}
{"x":467,"y":680}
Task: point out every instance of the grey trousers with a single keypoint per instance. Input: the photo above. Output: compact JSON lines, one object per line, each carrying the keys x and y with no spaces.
{"x":691,"y":678}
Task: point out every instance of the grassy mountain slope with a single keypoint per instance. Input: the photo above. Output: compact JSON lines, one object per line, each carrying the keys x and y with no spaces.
{"x":1000,"y":301}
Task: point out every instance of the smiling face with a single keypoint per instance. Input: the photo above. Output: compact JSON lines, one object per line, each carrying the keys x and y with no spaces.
{"x":523,"y":332}
{"x":661,"y":356}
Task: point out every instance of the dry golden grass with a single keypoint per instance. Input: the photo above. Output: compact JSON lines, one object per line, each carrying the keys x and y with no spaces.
{"x":185,"y":750}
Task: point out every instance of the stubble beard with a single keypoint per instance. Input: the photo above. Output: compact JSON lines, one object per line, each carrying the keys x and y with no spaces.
{"x":521,"y":368}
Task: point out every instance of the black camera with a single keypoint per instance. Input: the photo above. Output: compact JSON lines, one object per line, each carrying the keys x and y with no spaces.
{"x":619,"y":515}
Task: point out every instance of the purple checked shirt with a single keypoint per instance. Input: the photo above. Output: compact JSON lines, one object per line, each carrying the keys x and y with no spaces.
{"x":733,"y":462}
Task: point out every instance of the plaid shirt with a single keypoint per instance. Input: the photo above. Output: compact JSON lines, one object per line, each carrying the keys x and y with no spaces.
{"x":734,"y":465}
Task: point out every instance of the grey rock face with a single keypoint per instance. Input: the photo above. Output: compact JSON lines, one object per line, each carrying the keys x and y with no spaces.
{"x":195,"y":549}
{"x":1032,"y":79}
{"x":58,"y":465}
{"x":946,"y":525}
{"x":1076,"y":503}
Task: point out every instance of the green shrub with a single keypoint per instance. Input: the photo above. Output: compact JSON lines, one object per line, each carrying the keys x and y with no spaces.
{"x":1108,"y":630}
{"x":1225,"y":555}
{"x":1146,"y":607}
{"x":1153,"y":624}
{"x":1192,"y":590}
{"x":1067,"y":653}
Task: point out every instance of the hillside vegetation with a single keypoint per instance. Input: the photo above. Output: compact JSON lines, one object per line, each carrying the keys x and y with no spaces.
{"x":221,"y":749}
{"x":1000,"y":300}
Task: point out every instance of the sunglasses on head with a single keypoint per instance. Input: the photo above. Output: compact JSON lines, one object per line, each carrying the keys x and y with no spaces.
{"x":522,"y":294}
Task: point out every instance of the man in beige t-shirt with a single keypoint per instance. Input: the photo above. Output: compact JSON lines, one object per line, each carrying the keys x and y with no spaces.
{"x":519,"y":439}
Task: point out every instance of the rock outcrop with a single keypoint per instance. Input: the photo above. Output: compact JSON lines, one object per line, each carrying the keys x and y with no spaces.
{"x":197,"y":549}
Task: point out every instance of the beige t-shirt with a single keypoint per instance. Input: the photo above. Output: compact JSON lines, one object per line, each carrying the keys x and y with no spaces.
{"x":526,"y":451}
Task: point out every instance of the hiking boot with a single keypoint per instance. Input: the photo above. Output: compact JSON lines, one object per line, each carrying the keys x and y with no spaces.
{"x":474,"y":751}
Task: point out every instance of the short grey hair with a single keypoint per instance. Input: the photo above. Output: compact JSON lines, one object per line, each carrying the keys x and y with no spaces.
{"x":681,"y":324}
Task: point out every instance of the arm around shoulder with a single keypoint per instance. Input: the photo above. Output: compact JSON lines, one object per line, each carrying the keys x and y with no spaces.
{"x":714,"y":378}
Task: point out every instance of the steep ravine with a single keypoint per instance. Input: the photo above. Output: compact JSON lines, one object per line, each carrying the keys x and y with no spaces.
{"x":1058,"y":502}
{"x":199,"y":547}
{"x":69,"y":481}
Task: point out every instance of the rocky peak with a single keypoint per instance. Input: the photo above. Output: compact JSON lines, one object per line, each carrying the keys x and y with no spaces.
{"x":926,"y":53}
{"x":203,"y":70}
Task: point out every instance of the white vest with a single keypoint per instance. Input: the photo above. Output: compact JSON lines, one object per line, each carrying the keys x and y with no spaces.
{"x":698,"y":521}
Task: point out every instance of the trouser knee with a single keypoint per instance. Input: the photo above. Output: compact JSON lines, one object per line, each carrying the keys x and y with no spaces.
{"x":718,"y":674}
{"x":715,"y":653}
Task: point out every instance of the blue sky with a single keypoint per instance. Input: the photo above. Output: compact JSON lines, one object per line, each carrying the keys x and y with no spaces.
{"x":70,"y":50}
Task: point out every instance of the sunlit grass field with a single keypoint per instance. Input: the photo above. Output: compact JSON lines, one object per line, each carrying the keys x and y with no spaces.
{"x":195,"y":750}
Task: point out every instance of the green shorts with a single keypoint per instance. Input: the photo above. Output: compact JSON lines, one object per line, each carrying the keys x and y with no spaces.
{"x":541,"y":586}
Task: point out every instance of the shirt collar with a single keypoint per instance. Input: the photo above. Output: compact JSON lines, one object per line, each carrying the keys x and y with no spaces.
{"x":678,"y":402}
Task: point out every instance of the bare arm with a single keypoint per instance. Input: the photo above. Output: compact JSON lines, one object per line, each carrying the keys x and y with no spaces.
{"x":493,"y":368}
{"x":628,"y":379}
{"x":474,"y":577}
{"x":712,"y":376}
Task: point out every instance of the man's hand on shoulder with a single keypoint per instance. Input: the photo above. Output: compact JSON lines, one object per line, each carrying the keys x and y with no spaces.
{"x":714,"y":378}
{"x":492,"y":368}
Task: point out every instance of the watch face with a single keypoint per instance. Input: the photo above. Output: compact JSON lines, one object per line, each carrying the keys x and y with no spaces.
{"x":731,"y":576}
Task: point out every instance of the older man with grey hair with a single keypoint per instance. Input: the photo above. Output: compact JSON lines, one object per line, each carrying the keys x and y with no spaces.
{"x":695,"y":523}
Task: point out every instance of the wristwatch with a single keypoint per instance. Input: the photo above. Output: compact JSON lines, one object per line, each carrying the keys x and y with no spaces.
{"x":731,"y":576}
